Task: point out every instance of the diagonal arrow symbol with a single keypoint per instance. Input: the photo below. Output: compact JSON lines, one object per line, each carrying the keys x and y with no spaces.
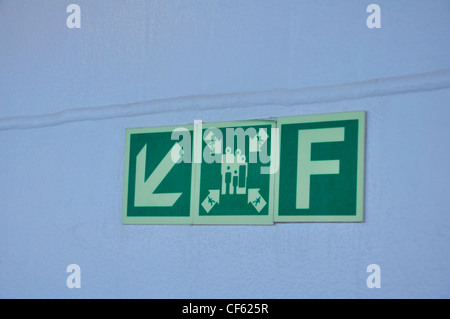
{"x":255,"y":198}
{"x":214,"y":143}
{"x":144,"y":194}
{"x":211,"y":200}
{"x":258,"y":141}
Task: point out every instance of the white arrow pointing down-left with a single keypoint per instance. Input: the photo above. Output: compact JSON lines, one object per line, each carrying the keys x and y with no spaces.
{"x":144,"y":195}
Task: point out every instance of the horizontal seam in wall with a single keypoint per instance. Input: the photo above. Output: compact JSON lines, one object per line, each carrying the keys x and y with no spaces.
{"x":283,"y":97}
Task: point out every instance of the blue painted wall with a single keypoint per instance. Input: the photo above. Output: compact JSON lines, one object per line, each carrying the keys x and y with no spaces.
{"x":67,"y":96}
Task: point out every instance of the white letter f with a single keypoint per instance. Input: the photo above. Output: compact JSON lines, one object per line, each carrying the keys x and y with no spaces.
{"x":306,"y":167}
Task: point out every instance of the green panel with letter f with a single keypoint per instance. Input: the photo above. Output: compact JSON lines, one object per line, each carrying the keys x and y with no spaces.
{"x":321,"y":171}
{"x":158,"y":176}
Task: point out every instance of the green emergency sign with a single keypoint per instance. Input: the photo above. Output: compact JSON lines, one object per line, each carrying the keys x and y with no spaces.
{"x":157,"y":182}
{"x":295,"y":169}
{"x":233,"y":181}
{"x":321,"y":173}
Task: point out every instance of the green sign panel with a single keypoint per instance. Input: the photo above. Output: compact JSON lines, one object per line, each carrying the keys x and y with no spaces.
{"x":234,"y":181}
{"x":204,"y":174}
{"x":298,"y":169}
{"x":158,"y":176}
{"x":321,"y":173}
